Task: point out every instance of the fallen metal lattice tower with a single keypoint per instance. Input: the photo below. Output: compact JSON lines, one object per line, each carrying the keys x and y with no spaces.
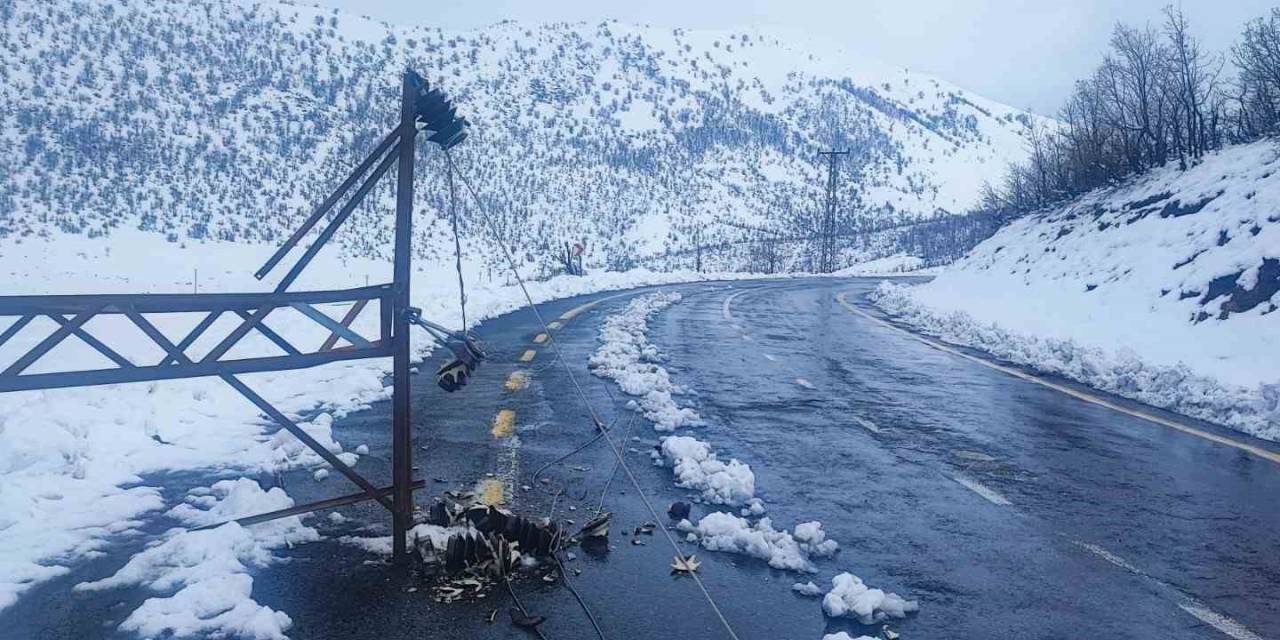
{"x":421,"y":109}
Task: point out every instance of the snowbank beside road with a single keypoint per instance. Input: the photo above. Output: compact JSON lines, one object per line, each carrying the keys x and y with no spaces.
{"x":1164,"y":290}
{"x":1177,"y":388}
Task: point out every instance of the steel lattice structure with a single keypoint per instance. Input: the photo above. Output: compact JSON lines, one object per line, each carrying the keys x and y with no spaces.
{"x":421,"y":109}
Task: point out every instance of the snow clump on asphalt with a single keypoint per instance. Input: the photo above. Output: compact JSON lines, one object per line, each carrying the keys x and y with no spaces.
{"x":697,"y":467}
{"x":204,"y":576}
{"x":851,"y":598}
{"x":626,"y":357}
{"x":808,"y":589}
{"x":721,"y":531}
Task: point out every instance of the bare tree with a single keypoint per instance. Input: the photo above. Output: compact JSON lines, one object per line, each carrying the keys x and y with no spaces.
{"x":1193,"y":78}
{"x":1257,"y":58}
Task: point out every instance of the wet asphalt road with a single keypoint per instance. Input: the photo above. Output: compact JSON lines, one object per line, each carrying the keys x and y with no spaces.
{"x":1007,"y":509}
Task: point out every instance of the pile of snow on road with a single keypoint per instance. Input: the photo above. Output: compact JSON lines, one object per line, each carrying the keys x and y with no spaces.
{"x":626,"y":357}
{"x":720,"y":531}
{"x":202,"y":578}
{"x":698,"y":468}
{"x":851,"y":598}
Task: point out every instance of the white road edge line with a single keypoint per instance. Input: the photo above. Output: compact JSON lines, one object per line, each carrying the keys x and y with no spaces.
{"x":867,"y":424}
{"x":1218,"y":621}
{"x":1191,"y":606}
{"x":991,"y":495}
{"x":1075,"y":393}
{"x":728,"y":301}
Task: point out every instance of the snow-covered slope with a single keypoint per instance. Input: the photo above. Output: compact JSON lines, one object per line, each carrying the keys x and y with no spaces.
{"x":1163,"y":289}
{"x":201,"y":119}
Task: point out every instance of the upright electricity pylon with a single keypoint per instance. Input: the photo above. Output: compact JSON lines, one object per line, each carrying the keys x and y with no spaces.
{"x":827,"y":240}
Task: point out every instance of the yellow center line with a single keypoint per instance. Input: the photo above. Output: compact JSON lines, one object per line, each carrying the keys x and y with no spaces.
{"x":504,"y":424}
{"x":570,"y":314}
{"x":528,"y":355}
{"x":492,"y":492}
{"x":540,"y":338}
{"x":1075,"y":393}
{"x":517,"y":381}
{"x":497,"y":488}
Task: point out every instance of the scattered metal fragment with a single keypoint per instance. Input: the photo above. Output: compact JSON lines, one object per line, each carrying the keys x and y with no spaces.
{"x":597,"y":527}
{"x":523,"y":621}
{"x":685,"y":565}
{"x":679,"y":510}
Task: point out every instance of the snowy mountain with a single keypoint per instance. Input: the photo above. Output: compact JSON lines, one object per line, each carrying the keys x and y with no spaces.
{"x":1164,"y":289}
{"x":206,"y":120}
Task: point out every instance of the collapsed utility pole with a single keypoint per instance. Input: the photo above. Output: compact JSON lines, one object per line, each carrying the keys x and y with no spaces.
{"x":422,"y":109}
{"x":827,"y":239}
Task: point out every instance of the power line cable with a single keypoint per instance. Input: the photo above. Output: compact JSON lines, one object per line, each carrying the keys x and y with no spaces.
{"x":511,"y":262}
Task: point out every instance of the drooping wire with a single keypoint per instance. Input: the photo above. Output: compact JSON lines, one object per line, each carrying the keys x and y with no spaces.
{"x":516,"y":598}
{"x":599,"y":434}
{"x":511,"y":262}
{"x":626,"y":437}
{"x":457,"y":243}
{"x":564,"y":573}
{"x":564,"y":577}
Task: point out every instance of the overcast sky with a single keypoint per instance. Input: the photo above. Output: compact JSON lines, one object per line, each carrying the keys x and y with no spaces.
{"x":1026,"y":53}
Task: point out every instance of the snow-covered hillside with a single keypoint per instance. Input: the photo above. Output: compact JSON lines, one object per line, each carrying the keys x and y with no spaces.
{"x":1164,"y":289}
{"x":204,"y":119}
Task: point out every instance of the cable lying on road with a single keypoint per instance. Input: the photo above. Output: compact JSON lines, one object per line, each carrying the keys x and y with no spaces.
{"x":599,"y":424}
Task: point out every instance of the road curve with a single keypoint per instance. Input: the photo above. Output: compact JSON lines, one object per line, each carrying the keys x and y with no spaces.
{"x":1008,"y":507}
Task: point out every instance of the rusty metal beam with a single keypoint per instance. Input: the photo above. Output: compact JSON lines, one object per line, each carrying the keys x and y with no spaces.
{"x":51,"y":341}
{"x":310,"y":442}
{"x":97,"y":344}
{"x":16,"y":327}
{"x":346,"y":321}
{"x":310,"y":507}
{"x":271,"y":334}
{"x":117,"y":303}
{"x":64,"y":379}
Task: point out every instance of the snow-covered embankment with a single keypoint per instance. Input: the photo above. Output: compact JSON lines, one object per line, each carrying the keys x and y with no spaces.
{"x":1164,"y":290}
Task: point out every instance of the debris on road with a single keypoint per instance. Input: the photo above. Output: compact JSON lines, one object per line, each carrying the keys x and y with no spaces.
{"x":598,"y":527}
{"x":679,"y":510}
{"x":685,"y":565}
{"x":523,"y":621}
